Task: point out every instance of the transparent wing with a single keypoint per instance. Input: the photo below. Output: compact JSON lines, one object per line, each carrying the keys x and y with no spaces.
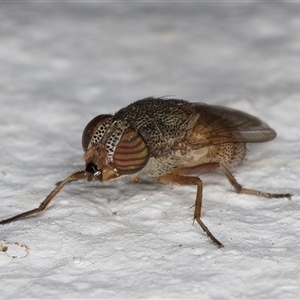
{"x":213,"y":125}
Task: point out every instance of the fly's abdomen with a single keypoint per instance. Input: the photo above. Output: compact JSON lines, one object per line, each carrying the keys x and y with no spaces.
{"x":229,"y":154}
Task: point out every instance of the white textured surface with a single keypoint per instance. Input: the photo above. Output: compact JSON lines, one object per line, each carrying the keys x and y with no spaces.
{"x":64,"y":63}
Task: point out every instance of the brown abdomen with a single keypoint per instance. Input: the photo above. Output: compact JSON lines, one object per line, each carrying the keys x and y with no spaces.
{"x":229,"y":154}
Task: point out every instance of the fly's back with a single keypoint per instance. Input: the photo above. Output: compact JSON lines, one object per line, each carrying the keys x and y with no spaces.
{"x":159,"y":122}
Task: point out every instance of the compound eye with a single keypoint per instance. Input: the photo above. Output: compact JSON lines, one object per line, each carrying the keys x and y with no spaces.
{"x":95,"y":130}
{"x":131,"y":154}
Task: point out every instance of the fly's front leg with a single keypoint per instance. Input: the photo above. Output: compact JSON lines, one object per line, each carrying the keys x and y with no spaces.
{"x":240,"y":190}
{"x":189,"y":180}
{"x":73,"y":177}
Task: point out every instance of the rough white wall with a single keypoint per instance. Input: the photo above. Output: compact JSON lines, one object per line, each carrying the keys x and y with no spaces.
{"x":64,"y":63}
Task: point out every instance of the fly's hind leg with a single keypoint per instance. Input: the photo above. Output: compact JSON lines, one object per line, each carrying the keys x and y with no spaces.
{"x":189,"y":180}
{"x":240,"y":190}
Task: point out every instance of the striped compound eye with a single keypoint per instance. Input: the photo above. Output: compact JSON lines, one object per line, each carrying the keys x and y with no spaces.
{"x":131,"y":153}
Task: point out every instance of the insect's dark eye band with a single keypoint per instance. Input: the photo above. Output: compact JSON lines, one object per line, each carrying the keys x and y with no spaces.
{"x":95,"y":130}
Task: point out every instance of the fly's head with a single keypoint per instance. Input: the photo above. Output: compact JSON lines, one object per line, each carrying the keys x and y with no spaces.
{"x":112,"y":149}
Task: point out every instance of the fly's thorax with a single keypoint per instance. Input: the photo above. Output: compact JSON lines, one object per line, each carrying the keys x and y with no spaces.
{"x":161,"y":123}
{"x":113,"y":147}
